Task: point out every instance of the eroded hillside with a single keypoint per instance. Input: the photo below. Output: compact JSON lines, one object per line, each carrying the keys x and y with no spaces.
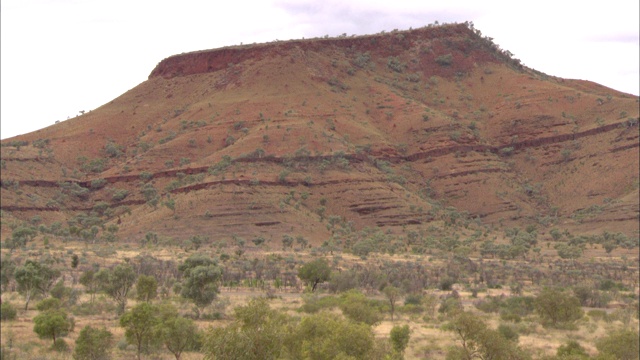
{"x":315,"y":139}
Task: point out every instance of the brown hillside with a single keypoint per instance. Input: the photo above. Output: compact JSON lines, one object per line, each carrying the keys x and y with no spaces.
{"x":400,"y":131}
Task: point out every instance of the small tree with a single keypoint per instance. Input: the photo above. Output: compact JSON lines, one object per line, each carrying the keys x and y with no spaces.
{"x":400,"y":338}
{"x":314,"y":272}
{"x":90,"y":282}
{"x":7,"y":312}
{"x":557,"y":308}
{"x":147,"y":288}
{"x":116,"y":283}
{"x":139,"y":323}
{"x":480,"y":342}
{"x":49,"y":304}
{"x":177,"y":334}
{"x":34,"y":279}
{"x":7,"y":268}
{"x":201,"y":276}
{"x":327,"y":336}
{"x":357,"y":307}
{"x":93,"y":344}
{"x":393,"y":295}
{"x":258,"y":333}
{"x":52,"y":323}
{"x":171,"y":204}
{"x":20,"y":236}
{"x":621,"y":344}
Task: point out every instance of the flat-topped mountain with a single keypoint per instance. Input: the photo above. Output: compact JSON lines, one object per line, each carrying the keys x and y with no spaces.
{"x":401,"y":133}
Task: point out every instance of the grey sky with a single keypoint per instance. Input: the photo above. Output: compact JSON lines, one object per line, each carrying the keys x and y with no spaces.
{"x":62,"y":56}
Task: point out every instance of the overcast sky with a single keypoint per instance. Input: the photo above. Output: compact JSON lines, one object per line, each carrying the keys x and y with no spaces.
{"x":62,"y":56}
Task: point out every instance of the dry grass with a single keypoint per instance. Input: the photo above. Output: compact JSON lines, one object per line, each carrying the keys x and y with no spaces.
{"x":427,"y":339}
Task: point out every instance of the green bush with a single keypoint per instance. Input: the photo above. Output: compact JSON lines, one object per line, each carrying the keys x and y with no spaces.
{"x":622,"y":344}
{"x":60,"y":346}
{"x":8,"y":312}
{"x":357,"y":307}
{"x":98,"y":183}
{"x":93,"y":344}
{"x":508,"y":332}
{"x":314,"y":303}
{"x":450,"y":306}
{"x":413,"y":299}
{"x":489,"y":304}
{"x":112,"y":149}
{"x":572,"y":350}
{"x":598,"y":315}
{"x":120,"y":194}
{"x":445,"y":60}
{"x":557,"y":308}
{"x":395,"y":64}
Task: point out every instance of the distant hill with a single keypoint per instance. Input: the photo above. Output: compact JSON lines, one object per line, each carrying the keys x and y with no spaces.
{"x":398,"y":132}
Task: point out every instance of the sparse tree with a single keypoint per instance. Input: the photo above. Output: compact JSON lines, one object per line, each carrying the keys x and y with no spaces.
{"x":327,"y":336}
{"x":147,"y":288}
{"x":52,"y":323}
{"x":90,"y":282}
{"x":116,"y":283}
{"x":400,"y":338}
{"x":178,"y":334}
{"x":20,"y":236}
{"x":557,"y":308}
{"x":201,"y":275}
{"x":139,"y":323}
{"x":7,"y":268}
{"x":93,"y":344}
{"x":258,"y":333}
{"x":480,"y":342}
{"x":392,"y":294}
{"x":357,"y":307}
{"x":315,"y":272}
{"x":622,"y":344}
{"x":34,"y":279}
{"x":171,"y":204}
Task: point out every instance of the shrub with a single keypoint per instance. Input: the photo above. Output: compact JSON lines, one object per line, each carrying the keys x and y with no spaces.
{"x":488,"y":305}
{"x":508,"y":151}
{"x":508,"y":332}
{"x":362,"y":60}
{"x":450,"y":306}
{"x":52,"y":324}
{"x":445,"y":60}
{"x":93,"y":344}
{"x":621,"y":344}
{"x":395,"y":64}
{"x":8,"y":312}
{"x":112,"y":149}
{"x":399,"y":336}
{"x":94,"y":165}
{"x":572,"y":350}
{"x":314,"y":303}
{"x":60,"y":346}
{"x":146,"y":176}
{"x":98,"y":183}
{"x":598,"y":315}
{"x":120,"y":194}
{"x":357,"y":307}
{"x":557,"y":308}
{"x":413,"y":299}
